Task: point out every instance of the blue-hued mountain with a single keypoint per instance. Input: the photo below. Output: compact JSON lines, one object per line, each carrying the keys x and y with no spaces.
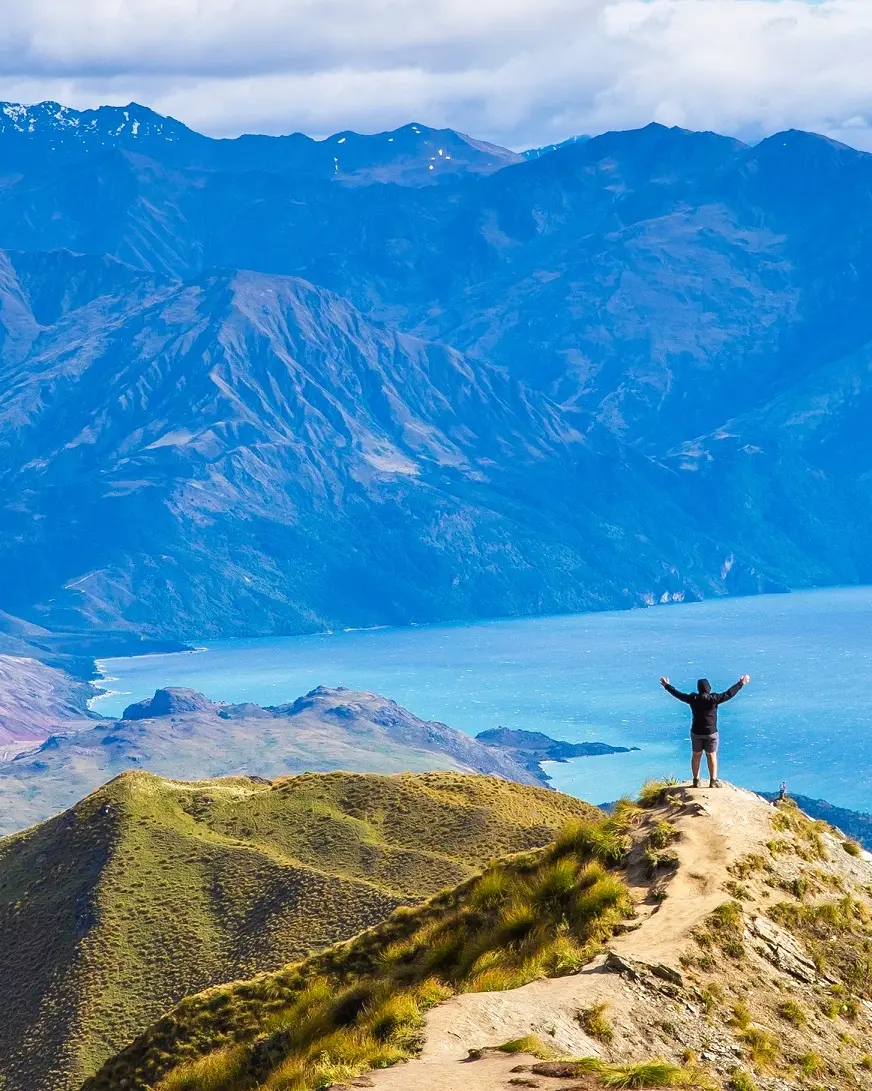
{"x":659,"y":279}
{"x":248,"y":453}
{"x":54,"y":136}
{"x":546,"y":149}
{"x":237,"y":396}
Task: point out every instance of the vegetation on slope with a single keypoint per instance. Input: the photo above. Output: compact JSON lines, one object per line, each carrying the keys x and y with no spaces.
{"x":360,"y":1004}
{"x":150,"y":890}
{"x":789,"y":980}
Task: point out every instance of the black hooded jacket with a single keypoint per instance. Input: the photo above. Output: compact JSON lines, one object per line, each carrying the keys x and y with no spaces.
{"x":704,"y":705}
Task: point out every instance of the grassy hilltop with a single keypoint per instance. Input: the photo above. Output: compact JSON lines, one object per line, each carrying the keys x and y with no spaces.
{"x":360,"y":1004}
{"x":149,"y":890}
{"x":747,"y":966}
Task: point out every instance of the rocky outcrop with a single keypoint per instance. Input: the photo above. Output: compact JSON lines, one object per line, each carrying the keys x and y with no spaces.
{"x":782,"y":949}
{"x":531,"y":748}
{"x":172,"y":701}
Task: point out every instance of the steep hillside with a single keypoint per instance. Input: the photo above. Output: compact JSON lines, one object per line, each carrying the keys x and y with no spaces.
{"x":269,"y":460}
{"x":179,"y":733}
{"x":36,"y":700}
{"x":747,"y":964}
{"x":805,"y":457}
{"x":856,"y":824}
{"x":580,"y":331}
{"x":151,"y":889}
{"x":309,"y":1024}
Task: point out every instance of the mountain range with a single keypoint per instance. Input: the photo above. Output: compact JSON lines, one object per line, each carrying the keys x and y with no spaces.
{"x":244,"y":392}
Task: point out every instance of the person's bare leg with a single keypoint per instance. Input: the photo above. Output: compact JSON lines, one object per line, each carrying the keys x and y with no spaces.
{"x":712,"y":760}
{"x":695,"y":760}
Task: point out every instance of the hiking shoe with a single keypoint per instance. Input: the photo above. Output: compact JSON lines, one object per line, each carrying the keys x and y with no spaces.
{"x":714,"y":784}
{"x":696,"y":782}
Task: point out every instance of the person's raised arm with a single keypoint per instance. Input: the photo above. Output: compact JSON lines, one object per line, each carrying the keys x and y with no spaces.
{"x":730,"y":693}
{"x":686,"y":697}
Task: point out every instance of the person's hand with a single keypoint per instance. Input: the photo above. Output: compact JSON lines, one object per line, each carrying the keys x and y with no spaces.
{"x":664,"y":682}
{"x":745,"y":679}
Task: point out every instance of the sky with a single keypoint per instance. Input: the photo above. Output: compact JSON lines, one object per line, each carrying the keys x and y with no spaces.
{"x":519,"y":72}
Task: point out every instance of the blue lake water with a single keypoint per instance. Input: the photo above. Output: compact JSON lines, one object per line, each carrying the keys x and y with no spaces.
{"x":806,"y":717}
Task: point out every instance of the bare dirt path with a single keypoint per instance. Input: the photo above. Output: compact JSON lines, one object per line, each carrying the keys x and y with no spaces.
{"x":717,"y":827}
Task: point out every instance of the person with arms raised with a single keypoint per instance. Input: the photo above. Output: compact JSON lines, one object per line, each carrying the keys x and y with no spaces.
{"x":704,"y":728}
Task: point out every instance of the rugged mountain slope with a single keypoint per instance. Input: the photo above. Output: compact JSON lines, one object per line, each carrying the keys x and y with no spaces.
{"x":151,"y":889}
{"x":37,"y":700}
{"x":804,"y":457}
{"x":186,"y":735}
{"x":747,"y":961}
{"x":270,"y":460}
{"x":247,"y":454}
{"x":646,"y":276}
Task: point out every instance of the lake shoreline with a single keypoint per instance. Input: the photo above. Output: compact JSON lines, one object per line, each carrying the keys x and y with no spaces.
{"x":578,"y":677}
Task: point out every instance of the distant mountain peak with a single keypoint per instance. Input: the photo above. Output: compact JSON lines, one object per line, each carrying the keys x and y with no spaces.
{"x":546,"y":149}
{"x":105,"y":124}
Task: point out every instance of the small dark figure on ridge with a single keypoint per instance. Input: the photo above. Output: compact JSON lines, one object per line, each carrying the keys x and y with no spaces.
{"x":704,"y":729}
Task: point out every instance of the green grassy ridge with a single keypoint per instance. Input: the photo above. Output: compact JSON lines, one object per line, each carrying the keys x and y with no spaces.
{"x":360,"y":1003}
{"x":150,"y":890}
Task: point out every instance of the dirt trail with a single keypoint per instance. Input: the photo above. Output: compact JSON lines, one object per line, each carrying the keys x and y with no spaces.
{"x":717,"y":827}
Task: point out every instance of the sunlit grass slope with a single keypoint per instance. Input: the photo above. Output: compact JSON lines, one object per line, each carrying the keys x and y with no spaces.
{"x":360,"y":1004}
{"x":150,"y":890}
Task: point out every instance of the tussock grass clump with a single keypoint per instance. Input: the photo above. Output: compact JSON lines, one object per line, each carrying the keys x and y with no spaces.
{"x":210,"y":1073}
{"x":712,"y":997}
{"x":360,"y":1004}
{"x":761,"y":1045}
{"x":853,"y":848}
{"x":839,"y":1002}
{"x":661,"y":834}
{"x":606,"y":841}
{"x":653,"y":1073}
{"x":788,"y":818}
{"x":799,"y":887}
{"x":793,"y":1013}
{"x":745,"y":867}
{"x":810,"y":1064}
{"x":741,"y":1080}
{"x":595,"y":1022}
{"x":740,"y":1016}
{"x":724,"y":929}
{"x":653,"y":791}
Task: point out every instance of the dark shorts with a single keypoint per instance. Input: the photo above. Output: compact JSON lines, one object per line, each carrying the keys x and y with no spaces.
{"x":707,"y":743}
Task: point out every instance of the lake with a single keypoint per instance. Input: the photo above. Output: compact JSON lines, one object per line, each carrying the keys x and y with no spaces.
{"x":805,"y":718}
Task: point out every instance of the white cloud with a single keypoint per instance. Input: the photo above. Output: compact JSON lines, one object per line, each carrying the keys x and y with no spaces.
{"x":515,"y":71}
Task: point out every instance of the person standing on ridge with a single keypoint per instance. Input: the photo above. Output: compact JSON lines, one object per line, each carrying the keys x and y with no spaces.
{"x":704,"y":729}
